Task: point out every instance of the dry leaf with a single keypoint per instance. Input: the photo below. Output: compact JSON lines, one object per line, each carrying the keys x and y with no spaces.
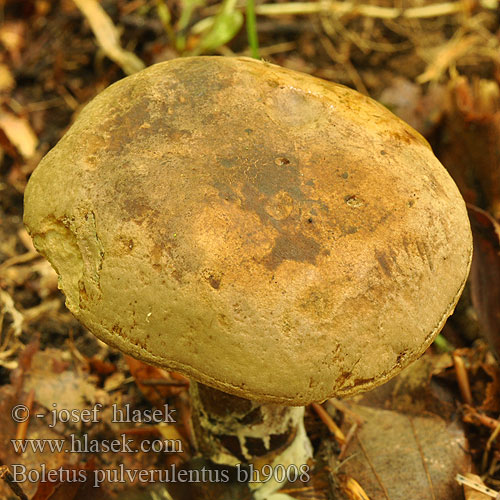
{"x":485,"y":273}
{"x":471,"y":493}
{"x":469,"y":144}
{"x":108,"y":37}
{"x":491,"y":402}
{"x":12,"y":37}
{"x":61,"y":385}
{"x":72,"y":490}
{"x":154,"y":382}
{"x":114,"y":381}
{"x":446,"y":56}
{"x":418,"y":389}
{"x":20,"y":134}
{"x":352,"y":489}
{"x":7,"y":81}
{"x":422,"y":110}
{"x":400,"y":457}
{"x":37,"y":428}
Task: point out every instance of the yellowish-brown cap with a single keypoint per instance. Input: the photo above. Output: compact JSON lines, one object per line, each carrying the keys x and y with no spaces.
{"x":270,"y":234}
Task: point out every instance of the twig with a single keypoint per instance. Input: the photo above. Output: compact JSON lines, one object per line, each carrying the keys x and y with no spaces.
{"x":162,"y":381}
{"x":7,"y":306}
{"x":447,"y":56}
{"x":304,"y":492}
{"x":340,"y":406}
{"x":353,"y":489}
{"x":462,"y":379}
{"x":487,"y":448}
{"x":22,"y":427}
{"x":346,"y":62}
{"x":493,"y":467}
{"x":328,"y":421}
{"x":276,"y":48}
{"x":472,"y":416}
{"x":342,"y":8}
{"x":477,"y":486}
{"x":6,"y":475}
{"x":35,"y":312}
{"x":348,"y":439}
{"x":19,"y":259}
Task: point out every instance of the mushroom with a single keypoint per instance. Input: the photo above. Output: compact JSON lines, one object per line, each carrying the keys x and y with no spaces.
{"x":277,"y":238}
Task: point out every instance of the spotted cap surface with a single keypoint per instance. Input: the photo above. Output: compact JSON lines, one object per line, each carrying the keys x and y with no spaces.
{"x":267,"y":233}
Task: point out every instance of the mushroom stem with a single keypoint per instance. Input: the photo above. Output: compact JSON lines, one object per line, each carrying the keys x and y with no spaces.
{"x":233,"y":431}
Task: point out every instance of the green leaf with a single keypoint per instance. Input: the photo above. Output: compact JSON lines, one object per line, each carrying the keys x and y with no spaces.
{"x":225,"y":27}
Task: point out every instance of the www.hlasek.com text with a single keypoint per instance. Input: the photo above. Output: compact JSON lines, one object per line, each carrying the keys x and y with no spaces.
{"x":78,"y":443}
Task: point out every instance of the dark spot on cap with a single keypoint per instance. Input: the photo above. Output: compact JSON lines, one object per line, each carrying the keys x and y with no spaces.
{"x":226,"y":162}
{"x":353,"y":201}
{"x":384,"y":264}
{"x":401,"y":357}
{"x":214,"y":282}
{"x":282,"y":161}
{"x":299,"y":248}
{"x":118,"y":330}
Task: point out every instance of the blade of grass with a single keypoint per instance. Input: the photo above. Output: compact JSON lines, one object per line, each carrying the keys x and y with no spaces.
{"x":251,"y":22}
{"x":442,"y":344}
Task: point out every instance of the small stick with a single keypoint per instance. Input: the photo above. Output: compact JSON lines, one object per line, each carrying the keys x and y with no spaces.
{"x":348,"y":439}
{"x":351,"y":415}
{"x":472,"y":416}
{"x":162,"y":381}
{"x":19,"y":259}
{"x":22,"y":427}
{"x":487,"y":448}
{"x":353,"y":489}
{"x":462,"y":379}
{"x":375,"y":11}
{"x":328,"y":421}
{"x":475,"y":485}
{"x":6,"y":475}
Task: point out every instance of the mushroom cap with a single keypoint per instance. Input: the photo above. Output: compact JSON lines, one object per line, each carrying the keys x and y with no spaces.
{"x":267,"y":233}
